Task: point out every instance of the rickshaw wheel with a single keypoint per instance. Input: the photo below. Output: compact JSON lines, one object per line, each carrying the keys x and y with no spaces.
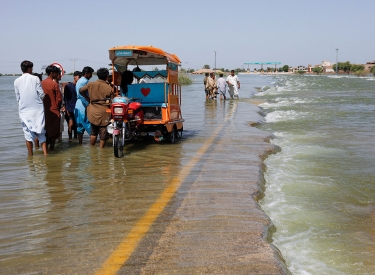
{"x":117,"y":146}
{"x":171,"y":137}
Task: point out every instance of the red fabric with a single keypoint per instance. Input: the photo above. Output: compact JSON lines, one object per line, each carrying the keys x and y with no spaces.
{"x":52,"y":103}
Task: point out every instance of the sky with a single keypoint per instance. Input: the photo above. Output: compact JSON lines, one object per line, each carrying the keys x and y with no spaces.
{"x":293,"y":32}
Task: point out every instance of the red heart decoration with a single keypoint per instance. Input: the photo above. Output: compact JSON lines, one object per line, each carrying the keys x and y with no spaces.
{"x":145,"y":91}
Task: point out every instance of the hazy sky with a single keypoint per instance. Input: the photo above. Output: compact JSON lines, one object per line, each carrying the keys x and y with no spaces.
{"x":293,"y":32}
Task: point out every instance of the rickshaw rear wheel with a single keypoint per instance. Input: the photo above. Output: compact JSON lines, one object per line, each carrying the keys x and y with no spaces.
{"x":117,"y":146}
{"x":171,"y":137}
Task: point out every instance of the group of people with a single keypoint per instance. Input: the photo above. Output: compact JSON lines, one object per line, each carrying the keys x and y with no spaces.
{"x":213,"y":87}
{"x":43,"y":105}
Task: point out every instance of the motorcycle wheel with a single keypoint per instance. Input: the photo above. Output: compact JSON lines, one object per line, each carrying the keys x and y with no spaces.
{"x":117,"y":146}
{"x":171,"y":136}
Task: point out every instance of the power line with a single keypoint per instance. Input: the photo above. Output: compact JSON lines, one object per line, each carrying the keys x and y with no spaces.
{"x":93,"y":61}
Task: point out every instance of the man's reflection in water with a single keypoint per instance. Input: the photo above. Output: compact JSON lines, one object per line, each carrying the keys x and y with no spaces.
{"x":222,"y":104}
{"x":210,"y":111}
{"x":231,"y":108}
{"x":55,"y":182}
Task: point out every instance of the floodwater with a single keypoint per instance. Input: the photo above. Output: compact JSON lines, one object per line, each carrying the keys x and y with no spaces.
{"x":65,"y":213}
{"x":320,"y":190}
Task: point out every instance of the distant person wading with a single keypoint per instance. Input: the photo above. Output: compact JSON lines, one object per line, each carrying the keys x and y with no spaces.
{"x":233,"y":84}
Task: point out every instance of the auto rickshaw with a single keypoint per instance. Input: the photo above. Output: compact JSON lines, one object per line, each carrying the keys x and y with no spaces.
{"x":148,"y":76}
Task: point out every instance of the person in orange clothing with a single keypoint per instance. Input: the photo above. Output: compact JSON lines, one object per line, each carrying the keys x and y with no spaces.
{"x":52,"y":104}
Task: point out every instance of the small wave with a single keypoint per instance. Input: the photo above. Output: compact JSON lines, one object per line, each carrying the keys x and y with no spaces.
{"x":265,"y":88}
{"x":341,"y":76}
{"x":283,"y":116}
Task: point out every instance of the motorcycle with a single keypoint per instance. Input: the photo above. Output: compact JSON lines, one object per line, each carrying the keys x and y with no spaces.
{"x":127,"y":118}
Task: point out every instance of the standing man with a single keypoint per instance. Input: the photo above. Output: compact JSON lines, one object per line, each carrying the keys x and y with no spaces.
{"x":205,"y":84}
{"x":100,"y":93}
{"x":211,"y":86}
{"x":70,"y":99}
{"x":83,"y":100}
{"x":222,"y":86}
{"x":233,"y":84}
{"x":57,"y":79}
{"x":29,"y":95}
{"x":52,"y":105}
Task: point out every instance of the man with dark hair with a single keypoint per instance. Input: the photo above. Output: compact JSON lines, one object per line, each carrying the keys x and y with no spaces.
{"x":222,"y":86}
{"x":52,"y":105}
{"x":70,"y":99}
{"x":29,"y":95}
{"x":211,"y":86}
{"x":82,"y":102}
{"x":100,"y":93}
{"x":57,"y":79}
{"x":233,"y":84}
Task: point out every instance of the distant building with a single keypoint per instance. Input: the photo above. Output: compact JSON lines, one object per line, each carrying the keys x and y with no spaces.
{"x":327,"y":67}
{"x":326,"y":63}
{"x":368,"y":65}
{"x":309,"y":68}
{"x":301,"y":68}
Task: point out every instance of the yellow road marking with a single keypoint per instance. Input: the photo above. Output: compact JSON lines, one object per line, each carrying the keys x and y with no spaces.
{"x":131,"y":241}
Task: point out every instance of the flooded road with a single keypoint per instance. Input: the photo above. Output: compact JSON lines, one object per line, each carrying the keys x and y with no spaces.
{"x":83,"y":211}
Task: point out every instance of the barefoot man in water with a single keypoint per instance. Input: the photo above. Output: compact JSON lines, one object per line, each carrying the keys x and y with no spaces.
{"x":82,"y":102}
{"x":233,"y":84}
{"x":52,"y":105}
{"x":29,"y":94}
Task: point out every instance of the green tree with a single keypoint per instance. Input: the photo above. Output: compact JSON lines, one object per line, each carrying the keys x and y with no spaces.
{"x":361,"y":73}
{"x":300,"y":72}
{"x":285,"y":68}
{"x":357,"y":67}
{"x":372,"y":70}
{"x":346,"y":67}
{"x":317,"y":70}
{"x":184,"y":79}
{"x":237,"y":70}
{"x":206,"y":66}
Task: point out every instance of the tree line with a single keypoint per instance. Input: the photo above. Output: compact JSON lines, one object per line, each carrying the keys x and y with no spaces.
{"x":345,"y":67}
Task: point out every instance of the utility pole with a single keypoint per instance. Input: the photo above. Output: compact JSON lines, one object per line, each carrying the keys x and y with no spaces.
{"x":74,"y":63}
{"x":215,"y":60}
{"x":337,"y":60}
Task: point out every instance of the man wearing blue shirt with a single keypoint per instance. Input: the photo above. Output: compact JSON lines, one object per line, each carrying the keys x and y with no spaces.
{"x":80,"y":114}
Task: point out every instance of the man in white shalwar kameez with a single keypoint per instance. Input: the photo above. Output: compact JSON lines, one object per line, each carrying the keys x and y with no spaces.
{"x":29,"y":95}
{"x":233,"y":84}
